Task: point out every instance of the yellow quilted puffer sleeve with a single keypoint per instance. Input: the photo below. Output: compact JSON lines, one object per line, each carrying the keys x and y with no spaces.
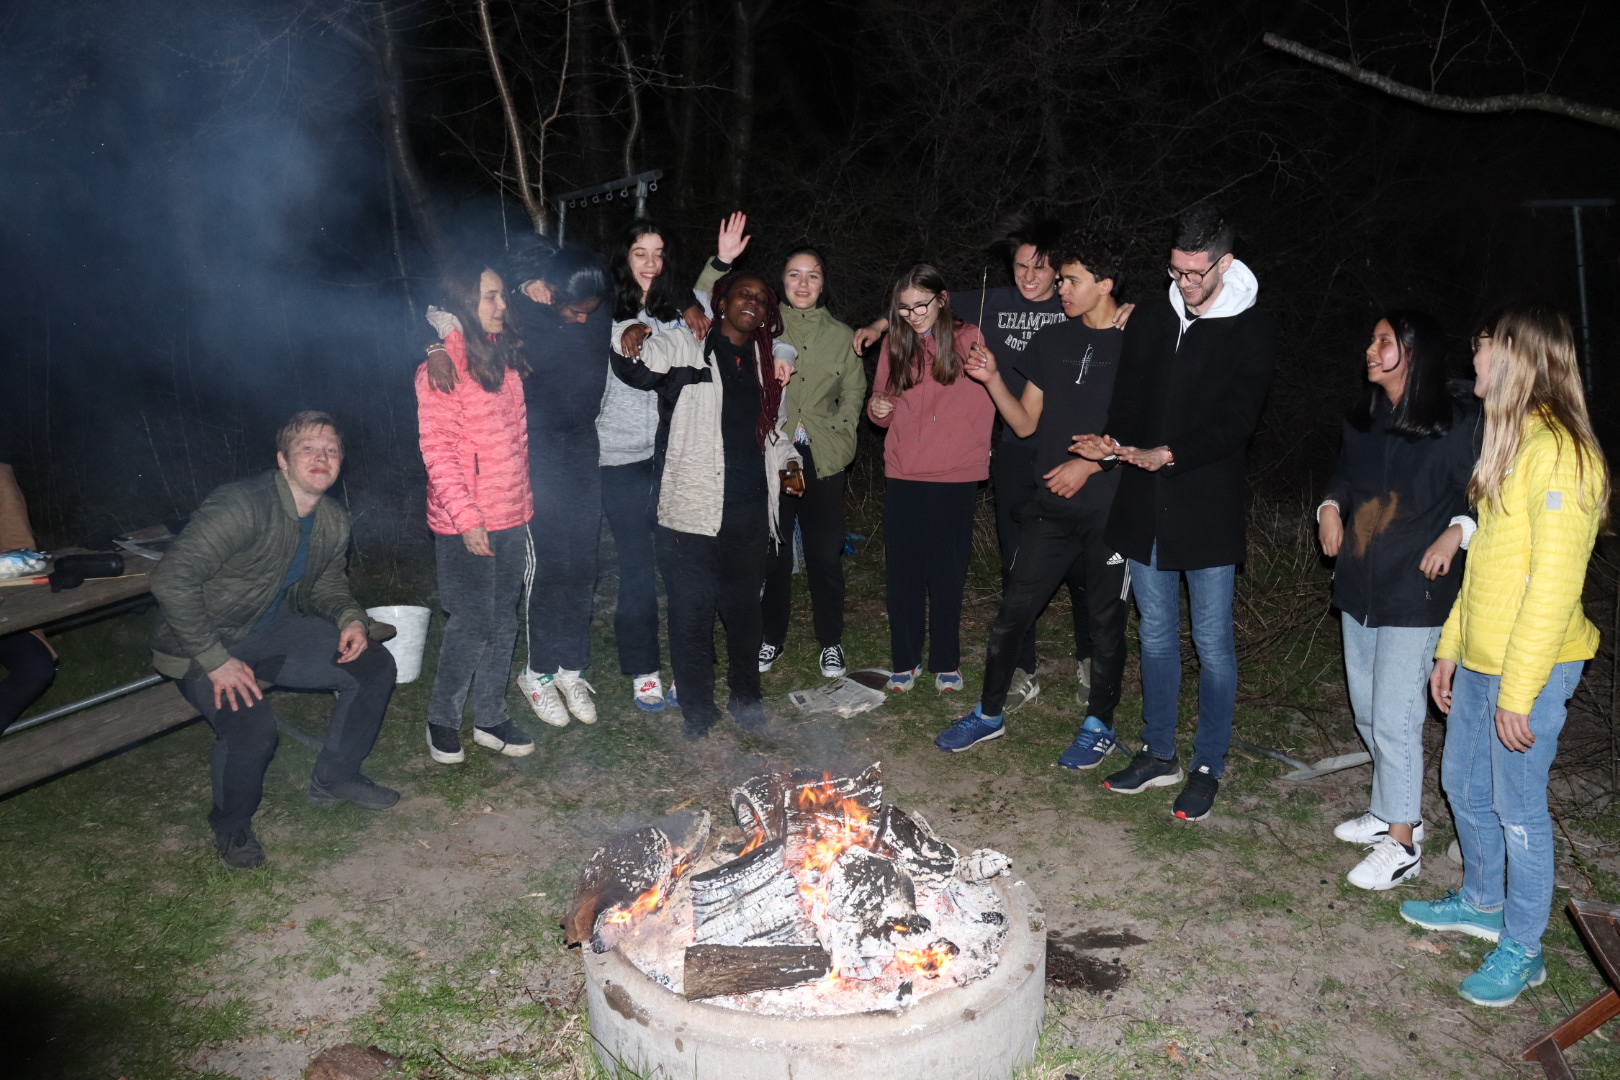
{"x":1563,"y":523}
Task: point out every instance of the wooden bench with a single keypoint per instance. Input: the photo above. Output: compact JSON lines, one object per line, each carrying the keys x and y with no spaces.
{"x":1599,"y":926}
{"x":39,"y":753}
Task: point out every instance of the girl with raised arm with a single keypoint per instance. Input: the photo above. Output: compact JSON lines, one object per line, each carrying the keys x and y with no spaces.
{"x":1512,"y":650}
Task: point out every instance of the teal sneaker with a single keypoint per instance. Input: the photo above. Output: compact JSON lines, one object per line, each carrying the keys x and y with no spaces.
{"x":1503,"y":975}
{"x":1452,"y":912}
{"x":971,"y":730}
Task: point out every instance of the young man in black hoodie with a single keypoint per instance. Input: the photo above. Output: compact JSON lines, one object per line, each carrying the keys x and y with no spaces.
{"x":1067,"y":376}
{"x":1193,"y":378}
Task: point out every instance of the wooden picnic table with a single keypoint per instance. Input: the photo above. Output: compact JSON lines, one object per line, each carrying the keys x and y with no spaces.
{"x":135,"y":711}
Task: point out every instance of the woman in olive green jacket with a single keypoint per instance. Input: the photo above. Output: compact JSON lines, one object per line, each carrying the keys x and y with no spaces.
{"x":823,"y":404}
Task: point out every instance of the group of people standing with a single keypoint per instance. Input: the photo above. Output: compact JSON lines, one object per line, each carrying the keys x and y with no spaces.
{"x":728,"y":413}
{"x":705,"y":421}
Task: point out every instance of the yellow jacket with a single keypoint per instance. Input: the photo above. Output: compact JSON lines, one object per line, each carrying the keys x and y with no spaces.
{"x":1519,"y":612}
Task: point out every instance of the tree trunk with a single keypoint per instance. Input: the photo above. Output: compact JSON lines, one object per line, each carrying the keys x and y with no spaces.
{"x":745,"y":24}
{"x":686,"y":117}
{"x":391,"y":95}
{"x":531,"y":192}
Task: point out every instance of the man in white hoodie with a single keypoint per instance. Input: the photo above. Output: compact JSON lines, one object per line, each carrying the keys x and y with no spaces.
{"x":1193,"y":376}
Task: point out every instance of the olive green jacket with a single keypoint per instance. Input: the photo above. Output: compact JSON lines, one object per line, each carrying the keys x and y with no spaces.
{"x":225,"y":570}
{"x":828,"y":391}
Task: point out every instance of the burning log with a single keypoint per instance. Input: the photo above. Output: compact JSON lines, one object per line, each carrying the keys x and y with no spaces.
{"x":631,"y":869}
{"x":869,"y":901}
{"x":760,"y":804}
{"x":718,"y":970}
{"x":830,"y":814}
{"x":752,"y":900}
{"x":929,"y":860}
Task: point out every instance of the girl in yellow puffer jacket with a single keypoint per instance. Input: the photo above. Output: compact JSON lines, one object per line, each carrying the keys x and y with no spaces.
{"x":1512,"y":650}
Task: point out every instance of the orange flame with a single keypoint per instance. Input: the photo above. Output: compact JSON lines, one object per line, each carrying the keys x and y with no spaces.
{"x":649,"y":901}
{"x":930,"y":962}
{"x":837,"y":823}
{"x":758,"y":839}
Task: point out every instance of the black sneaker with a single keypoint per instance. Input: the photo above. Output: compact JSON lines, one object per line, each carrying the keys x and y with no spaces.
{"x":695,"y":729}
{"x":1143,"y":772}
{"x":444,"y":744}
{"x":1197,"y":799}
{"x":504,"y":738}
{"x":750,"y":715}
{"x":240,"y":850}
{"x":362,"y":792}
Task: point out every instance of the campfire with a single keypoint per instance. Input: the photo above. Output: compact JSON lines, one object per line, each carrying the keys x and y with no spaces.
{"x":823,"y":900}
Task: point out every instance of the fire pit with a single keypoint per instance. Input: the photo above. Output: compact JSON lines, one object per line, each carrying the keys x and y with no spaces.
{"x":829,"y":935}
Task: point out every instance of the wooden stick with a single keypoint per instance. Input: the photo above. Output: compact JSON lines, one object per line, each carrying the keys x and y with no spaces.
{"x":716,"y":970}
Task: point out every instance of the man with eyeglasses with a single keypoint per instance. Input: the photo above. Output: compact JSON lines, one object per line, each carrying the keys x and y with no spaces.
{"x":1193,"y":377}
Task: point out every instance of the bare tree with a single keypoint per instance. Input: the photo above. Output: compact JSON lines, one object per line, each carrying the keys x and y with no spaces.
{"x":1493,"y":103}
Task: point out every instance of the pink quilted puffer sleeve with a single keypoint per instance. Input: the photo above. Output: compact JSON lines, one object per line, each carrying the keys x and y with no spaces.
{"x":440,"y":431}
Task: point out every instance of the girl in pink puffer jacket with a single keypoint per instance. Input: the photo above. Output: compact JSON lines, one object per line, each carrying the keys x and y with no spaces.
{"x":475,"y":447}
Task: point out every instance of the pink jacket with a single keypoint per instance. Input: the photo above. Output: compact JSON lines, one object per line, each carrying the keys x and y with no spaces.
{"x":937,"y":433}
{"x":475,"y":445}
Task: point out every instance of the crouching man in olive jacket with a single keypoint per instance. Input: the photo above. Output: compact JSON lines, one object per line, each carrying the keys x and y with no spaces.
{"x":254,"y":588}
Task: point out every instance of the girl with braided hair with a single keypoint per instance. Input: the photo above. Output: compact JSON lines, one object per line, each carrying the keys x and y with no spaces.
{"x":717,"y":500}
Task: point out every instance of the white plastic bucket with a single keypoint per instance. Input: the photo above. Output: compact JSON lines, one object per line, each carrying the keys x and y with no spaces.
{"x":408,"y":644}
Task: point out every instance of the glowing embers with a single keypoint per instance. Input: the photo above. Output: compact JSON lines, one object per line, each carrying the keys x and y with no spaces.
{"x":827,"y":902}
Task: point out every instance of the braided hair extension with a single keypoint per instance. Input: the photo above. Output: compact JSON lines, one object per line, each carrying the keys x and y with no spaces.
{"x":763,"y":337}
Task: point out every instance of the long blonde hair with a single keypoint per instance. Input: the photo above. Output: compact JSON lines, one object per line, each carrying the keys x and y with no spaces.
{"x":1534,"y":373}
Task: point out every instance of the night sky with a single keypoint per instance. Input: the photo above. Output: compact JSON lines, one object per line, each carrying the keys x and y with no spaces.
{"x":208,"y":224}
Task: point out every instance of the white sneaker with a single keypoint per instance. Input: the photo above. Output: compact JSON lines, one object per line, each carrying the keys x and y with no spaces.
{"x":576,"y":695}
{"x":648,"y":690}
{"x":1023,"y":689}
{"x":1387,"y":865}
{"x":1368,"y":829}
{"x":767,"y":656}
{"x":544,"y":698}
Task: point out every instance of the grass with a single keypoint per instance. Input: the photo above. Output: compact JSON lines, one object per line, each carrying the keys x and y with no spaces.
{"x":125,"y":949}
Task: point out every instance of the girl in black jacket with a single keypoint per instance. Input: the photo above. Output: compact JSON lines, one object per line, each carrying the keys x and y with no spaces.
{"x":1396,"y":516}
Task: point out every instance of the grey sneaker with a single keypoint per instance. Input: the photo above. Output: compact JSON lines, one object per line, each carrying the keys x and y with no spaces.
{"x":1023,"y":689}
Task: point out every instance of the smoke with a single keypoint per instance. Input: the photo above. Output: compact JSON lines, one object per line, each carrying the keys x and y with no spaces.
{"x":197,"y":224}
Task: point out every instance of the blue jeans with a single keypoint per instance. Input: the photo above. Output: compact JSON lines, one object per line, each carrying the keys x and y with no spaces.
{"x":1387,"y":671}
{"x":1158,"y":599}
{"x":1499,"y":799}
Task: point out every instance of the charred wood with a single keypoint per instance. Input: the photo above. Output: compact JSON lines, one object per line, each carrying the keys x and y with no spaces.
{"x":716,"y":970}
{"x":752,"y":900}
{"x":929,"y":860}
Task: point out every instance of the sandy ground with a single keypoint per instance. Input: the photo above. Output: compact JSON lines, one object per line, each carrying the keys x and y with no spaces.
{"x":1248,"y":958}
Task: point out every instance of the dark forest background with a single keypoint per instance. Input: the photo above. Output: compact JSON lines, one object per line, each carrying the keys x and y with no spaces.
{"x":218,"y":211}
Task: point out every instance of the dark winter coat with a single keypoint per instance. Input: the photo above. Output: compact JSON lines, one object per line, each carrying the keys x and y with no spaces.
{"x":1201,"y":397}
{"x":1396,"y":496}
{"x":225,"y":570}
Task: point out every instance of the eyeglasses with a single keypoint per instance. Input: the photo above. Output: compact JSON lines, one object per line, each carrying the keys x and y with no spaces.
{"x":1478,"y":340}
{"x":916,"y":309}
{"x":1192,"y":277}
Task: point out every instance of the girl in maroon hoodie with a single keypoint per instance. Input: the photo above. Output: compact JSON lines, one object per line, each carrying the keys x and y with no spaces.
{"x":935,"y":455}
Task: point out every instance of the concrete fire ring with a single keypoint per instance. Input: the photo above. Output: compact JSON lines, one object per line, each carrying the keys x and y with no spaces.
{"x":982,"y":1031}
